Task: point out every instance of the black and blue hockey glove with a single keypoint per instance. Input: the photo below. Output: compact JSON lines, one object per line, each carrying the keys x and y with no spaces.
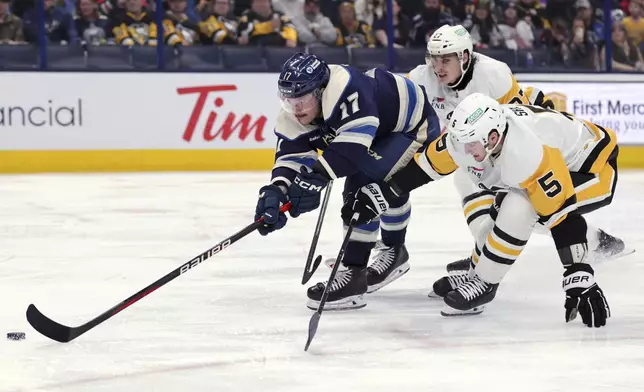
{"x":271,"y":198}
{"x":305,"y":191}
{"x":583,"y":296}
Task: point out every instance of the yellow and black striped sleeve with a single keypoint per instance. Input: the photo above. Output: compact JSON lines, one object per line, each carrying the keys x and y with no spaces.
{"x":122,"y":35}
{"x":368,"y":33}
{"x":599,"y":152}
{"x":432,"y":164}
{"x":170,"y":34}
{"x":288,"y":29}
{"x":550,"y":188}
{"x":538,"y":98}
{"x":214,"y":30}
{"x":514,"y":95}
{"x":436,"y":160}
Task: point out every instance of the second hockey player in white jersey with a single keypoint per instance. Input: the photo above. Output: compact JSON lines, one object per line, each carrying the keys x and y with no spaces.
{"x":453,"y":71}
{"x":551,"y":168}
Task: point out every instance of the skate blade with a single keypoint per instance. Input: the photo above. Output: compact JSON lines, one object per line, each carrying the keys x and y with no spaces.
{"x":448,"y":311}
{"x":399,"y":272}
{"x":349,"y":303}
{"x":599,"y":258}
{"x":433,"y":295}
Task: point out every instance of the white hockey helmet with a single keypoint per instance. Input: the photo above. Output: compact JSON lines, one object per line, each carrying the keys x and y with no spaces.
{"x":450,"y":39}
{"x":473,"y":120}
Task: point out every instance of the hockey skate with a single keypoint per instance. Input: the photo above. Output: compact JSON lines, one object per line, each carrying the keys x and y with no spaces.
{"x":459,"y":266}
{"x":608,"y":247}
{"x":469,"y":298}
{"x":446,"y":284}
{"x":346,"y":292}
{"x":389,"y":264}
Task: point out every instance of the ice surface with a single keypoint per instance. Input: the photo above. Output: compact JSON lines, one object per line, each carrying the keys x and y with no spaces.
{"x":75,"y":245}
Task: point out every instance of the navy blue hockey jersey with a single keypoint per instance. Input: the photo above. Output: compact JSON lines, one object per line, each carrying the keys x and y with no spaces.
{"x":357,"y":109}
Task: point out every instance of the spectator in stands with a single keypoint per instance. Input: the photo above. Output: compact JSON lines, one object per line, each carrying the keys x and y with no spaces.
{"x":351,"y":31}
{"x":369,"y":11}
{"x":485,"y":33}
{"x":10,"y":26}
{"x":626,"y":56}
{"x":580,"y":51}
{"x":59,"y":26}
{"x":92,"y":27}
{"x":426,"y":22}
{"x":136,"y":26}
{"x":313,"y":27}
{"x":261,"y":25}
{"x":532,"y":12}
{"x":464,"y":11}
{"x":561,"y":9}
{"x":402,"y":28}
{"x":634,"y":23}
{"x":219,"y":25}
{"x":185,"y":26}
{"x":517,"y":33}
{"x":111,"y":7}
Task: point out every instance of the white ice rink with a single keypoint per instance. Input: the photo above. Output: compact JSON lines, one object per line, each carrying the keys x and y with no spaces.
{"x":75,"y":245}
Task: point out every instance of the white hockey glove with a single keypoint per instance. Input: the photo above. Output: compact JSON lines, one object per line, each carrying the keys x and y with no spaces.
{"x":584,"y":296}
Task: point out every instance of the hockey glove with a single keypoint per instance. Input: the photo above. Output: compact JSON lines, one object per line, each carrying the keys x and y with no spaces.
{"x":583,"y":296}
{"x":271,"y":198}
{"x":305,"y":191}
{"x":370,"y":202}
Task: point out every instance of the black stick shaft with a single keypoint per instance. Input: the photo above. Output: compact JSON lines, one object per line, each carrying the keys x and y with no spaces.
{"x":63,"y":334}
{"x":308,"y":269}
{"x":315,"y":319}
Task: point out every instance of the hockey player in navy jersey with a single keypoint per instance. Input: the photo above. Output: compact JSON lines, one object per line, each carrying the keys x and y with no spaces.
{"x":368,"y":125}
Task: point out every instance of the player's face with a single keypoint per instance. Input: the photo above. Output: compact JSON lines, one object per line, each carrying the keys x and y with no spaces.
{"x":447,"y":68}
{"x":476,"y":150}
{"x":305,"y":108}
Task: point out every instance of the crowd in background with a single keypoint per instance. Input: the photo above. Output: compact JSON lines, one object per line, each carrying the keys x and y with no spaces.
{"x":573,"y":30}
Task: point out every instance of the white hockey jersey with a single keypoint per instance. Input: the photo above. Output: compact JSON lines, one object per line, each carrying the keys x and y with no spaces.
{"x":490,"y":77}
{"x":540,"y":149}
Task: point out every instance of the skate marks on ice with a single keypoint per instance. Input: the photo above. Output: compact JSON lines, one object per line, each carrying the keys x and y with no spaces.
{"x":239,"y":323}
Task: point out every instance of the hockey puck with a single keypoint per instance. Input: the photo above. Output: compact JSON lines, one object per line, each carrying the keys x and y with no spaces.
{"x":16,"y":335}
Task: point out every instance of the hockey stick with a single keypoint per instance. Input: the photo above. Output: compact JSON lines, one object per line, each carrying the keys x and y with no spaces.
{"x":315,"y":319}
{"x":309,"y":269}
{"x":64,"y":334}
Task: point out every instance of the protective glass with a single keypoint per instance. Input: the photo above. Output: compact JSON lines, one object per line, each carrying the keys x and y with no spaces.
{"x":301,"y":104}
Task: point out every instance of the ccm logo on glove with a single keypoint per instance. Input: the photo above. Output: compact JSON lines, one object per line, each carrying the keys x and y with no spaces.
{"x":308,"y":186}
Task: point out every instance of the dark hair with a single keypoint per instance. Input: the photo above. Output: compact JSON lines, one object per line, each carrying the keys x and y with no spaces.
{"x":78,"y":10}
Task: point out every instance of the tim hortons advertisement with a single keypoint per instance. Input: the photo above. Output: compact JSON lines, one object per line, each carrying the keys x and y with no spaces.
{"x":92,"y":111}
{"x":619,"y":106}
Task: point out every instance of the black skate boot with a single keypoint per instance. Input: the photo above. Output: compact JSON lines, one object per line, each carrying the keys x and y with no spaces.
{"x":459,"y":266}
{"x":389,"y":264}
{"x":469,"y":298}
{"x":446,"y":284}
{"x":609,"y":247}
{"x":347,"y":290}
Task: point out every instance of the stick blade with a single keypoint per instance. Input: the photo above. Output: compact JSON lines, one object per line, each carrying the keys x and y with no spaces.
{"x":47,"y":326}
{"x":310,"y":270}
{"x":313,"y":328}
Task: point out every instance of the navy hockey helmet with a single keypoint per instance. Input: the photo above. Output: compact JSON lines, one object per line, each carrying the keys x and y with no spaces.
{"x":302,"y":74}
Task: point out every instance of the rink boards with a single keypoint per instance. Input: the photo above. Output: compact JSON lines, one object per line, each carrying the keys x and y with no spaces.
{"x":88,"y":122}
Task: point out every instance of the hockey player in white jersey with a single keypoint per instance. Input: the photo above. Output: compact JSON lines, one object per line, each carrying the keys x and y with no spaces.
{"x":453,"y":72}
{"x":552,"y":168}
